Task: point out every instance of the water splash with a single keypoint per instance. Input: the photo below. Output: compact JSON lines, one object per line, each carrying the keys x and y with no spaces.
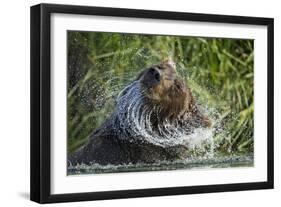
{"x":136,"y":119}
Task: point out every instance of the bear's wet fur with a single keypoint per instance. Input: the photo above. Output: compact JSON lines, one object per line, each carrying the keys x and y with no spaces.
{"x":121,"y":139}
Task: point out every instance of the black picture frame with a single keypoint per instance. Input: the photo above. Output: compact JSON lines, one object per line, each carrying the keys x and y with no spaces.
{"x":41,"y":99}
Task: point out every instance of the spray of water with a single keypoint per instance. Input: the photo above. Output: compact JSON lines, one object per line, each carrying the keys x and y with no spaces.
{"x":136,"y":117}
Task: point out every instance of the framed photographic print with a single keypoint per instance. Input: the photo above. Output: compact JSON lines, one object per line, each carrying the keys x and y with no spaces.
{"x":132,"y":103}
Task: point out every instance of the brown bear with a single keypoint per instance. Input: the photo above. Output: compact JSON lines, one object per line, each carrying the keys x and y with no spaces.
{"x":152,"y":115}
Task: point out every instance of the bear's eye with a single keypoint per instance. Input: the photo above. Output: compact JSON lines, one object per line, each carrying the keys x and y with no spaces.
{"x":160,"y":67}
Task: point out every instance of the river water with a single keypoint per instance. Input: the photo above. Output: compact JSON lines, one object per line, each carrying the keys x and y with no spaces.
{"x":190,"y":164}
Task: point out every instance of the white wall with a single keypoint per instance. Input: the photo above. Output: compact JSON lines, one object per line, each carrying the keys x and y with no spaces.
{"x":14,"y":104}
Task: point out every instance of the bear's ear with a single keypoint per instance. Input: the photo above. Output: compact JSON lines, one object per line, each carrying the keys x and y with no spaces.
{"x":200,"y":118}
{"x":204,"y":120}
{"x":207,"y":122}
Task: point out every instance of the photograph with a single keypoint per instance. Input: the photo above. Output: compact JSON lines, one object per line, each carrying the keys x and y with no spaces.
{"x":129,"y":103}
{"x":150,"y":102}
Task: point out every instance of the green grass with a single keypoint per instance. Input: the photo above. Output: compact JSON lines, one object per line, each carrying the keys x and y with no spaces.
{"x":219,"y":72}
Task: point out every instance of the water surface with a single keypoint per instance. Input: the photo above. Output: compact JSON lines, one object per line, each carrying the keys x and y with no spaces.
{"x":196,"y":163}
